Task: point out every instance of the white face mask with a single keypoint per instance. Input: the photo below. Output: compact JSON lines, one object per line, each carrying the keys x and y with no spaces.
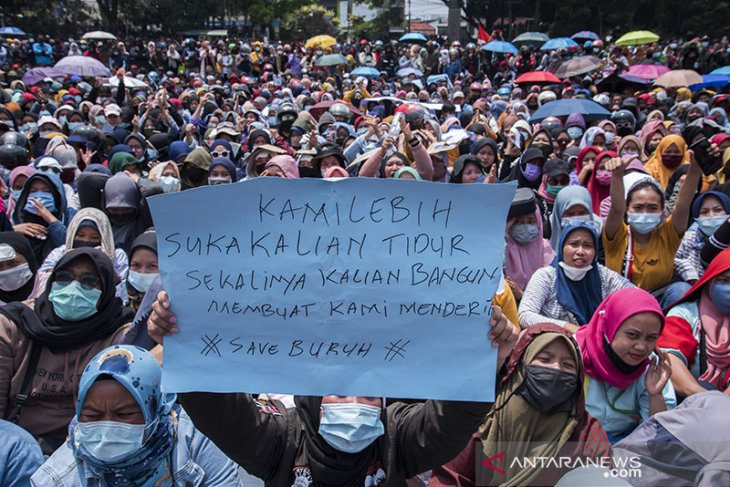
{"x":14,"y":278}
{"x":170,"y":184}
{"x":575,"y":273}
{"x":141,"y":282}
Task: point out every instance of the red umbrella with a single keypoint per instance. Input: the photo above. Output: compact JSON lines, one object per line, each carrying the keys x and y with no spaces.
{"x":538,"y":77}
{"x":321,"y":107}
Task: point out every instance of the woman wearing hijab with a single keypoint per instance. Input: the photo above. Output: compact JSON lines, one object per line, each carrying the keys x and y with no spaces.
{"x":573,"y":203}
{"x":568,"y":292}
{"x":334,"y":440}
{"x":599,"y":182}
{"x":594,"y":136}
{"x":467,"y":169}
{"x":221,"y":171}
{"x":630,"y":146}
{"x":284,"y":166}
{"x":539,"y":412}
{"x":16,"y":181}
{"x":167,"y":175}
{"x":143,"y":267}
{"x":487,"y":151}
{"x":194,"y":172}
{"x":585,"y":162}
{"x":651,"y":135}
{"x":627,"y":382}
{"x":609,"y":132}
{"x":128,"y":431}
{"x":525,"y":250}
{"x":127,"y":210}
{"x":18,"y":269}
{"x":77,"y":315}
{"x":41,"y":214}
{"x":124,"y":161}
{"x":528,"y":172}
{"x":668,"y":156}
{"x":697,"y":333}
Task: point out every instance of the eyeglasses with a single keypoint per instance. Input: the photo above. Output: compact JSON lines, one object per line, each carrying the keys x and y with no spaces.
{"x":87,"y":281}
{"x":224,"y":153}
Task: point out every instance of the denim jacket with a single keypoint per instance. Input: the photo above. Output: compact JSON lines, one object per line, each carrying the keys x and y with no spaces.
{"x":196,"y":461}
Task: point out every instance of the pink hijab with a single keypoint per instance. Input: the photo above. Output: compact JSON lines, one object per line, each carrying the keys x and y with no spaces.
{"x":608,"y":318}
{"x":26,"y":171}
{"x":717,"y":340}
{"x":521,"y":261}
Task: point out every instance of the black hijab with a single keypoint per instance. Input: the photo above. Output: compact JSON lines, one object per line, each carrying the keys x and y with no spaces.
{"x":21,"y":245}
{"x":43,"y":326}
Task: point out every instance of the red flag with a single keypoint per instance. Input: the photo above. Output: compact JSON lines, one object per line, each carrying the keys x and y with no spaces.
{"x":483,"y":35}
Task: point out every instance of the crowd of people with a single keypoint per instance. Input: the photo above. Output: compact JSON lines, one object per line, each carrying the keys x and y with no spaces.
{"x":612,"y":319}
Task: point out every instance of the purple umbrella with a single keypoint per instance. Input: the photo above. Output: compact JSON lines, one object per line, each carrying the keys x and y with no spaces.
{"x":647,"y":71}
{"x":35,"y":75}
{"x":83,"y":66}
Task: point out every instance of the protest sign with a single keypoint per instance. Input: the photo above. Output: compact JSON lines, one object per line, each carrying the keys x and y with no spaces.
{"x":365,"y":287}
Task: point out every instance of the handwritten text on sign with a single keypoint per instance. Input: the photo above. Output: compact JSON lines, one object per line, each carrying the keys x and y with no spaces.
{"x":353,"y":287}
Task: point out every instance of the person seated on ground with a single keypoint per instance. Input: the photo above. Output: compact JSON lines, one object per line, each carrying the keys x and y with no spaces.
{"x":18,"y":269}
{"x":143,"y":267}
{"x":77,"y":315}
{"x":324,"y":442}
{"x":697,"y":332}
{"x":128,"y":431}
{"x":685,"y":446}
{"x":627,"y":381}
{"x":572,"y":204}
{"x":568,"y":292}
{"x":539,"y":412}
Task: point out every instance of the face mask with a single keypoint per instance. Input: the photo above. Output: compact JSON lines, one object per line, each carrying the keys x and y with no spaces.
{"x":100,"y":119}
{"x":709,"y":224}
{"x":109,"y":441}
{"x":215,"y":181}
{"x":62,"y":119}
{"x":546,"y":149}
{"x":81,"y":244}
{"x":29,"y":127}
{"x":574,"y":273}
{"x":644,"y":222}
{"x":623,"y":130}
{"x":524,"y":233}
{"x":141,"y":282}
{"x":609,"y":137}
{"x":16,"y":194}
{"x":71,"y":302}
{"x":575,"y":133}
{"x":692,"y":118}
{"x":548,"y":390}
{"x":195,"y":174}
{"x":350,"y":428}
{"x":15,"y":278}
{"x":46,"y":200}
{"x":307,"y":172}
{"x":720,"y":294}
{"x":532,"y":171}
{"x":73,"y":125}
{"x":45,"y":133}
{"x":554,"y":190}
{"x":618,"y":361}
{"x":148,"y":132}
{"x":603,"y":177}
{"x":671,"y":161}
{"x":574,"y":219}
{"x":169,"y":184}
{"x":629,"y":153}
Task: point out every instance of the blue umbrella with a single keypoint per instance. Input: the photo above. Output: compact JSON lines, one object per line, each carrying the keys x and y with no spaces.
{"x":558,"y":43}
{"x":712,"y":81}
{"x":412,"y":37}
{"x":367,"y":71}
{"x":11,"y":31}
{"x":722,"y":70}
{"x":500,"y":46}
{"x":585,"y":34}
{"x":409,"y":71}
{"x":590,"y":110}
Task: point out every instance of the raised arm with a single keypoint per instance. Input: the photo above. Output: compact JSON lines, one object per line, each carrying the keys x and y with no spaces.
{"x":618,"y":197}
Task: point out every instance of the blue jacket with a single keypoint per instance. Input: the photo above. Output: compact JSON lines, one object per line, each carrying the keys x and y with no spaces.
{"x":196,"y":461}
{"x":20,"y":455}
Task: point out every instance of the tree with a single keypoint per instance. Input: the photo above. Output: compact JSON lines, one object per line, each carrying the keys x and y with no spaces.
{"x":309,"y":21}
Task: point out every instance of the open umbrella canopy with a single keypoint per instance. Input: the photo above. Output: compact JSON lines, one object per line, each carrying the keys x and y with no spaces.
{"x":585,"y":35}
{"x":36,"y":75}
{"x":412,"y":37}
{"x":321,"y":107}
{"x":11,"y":31}
{"x":538,"y":77}
{"x":712,"y":81}
{"x":559,"y":43}
{"x":366,"y":71}
{"x":678,"y":78}
{"x":331,"y":60}
{"x":614,"y":82}
{"x":590,"y":110}
{"x":500,"y":46}
{"x":577,"y":66}
{"x":637,"y":38}
{"x":99,"y":35}
{"x":129,"y":82}
{"x":321,"y":41}
{"x":722,"y":70}
{"x":83,"y":66}
{"x":648,"y":71}
{"x":409,"y":71}
{"x":531,"y":38}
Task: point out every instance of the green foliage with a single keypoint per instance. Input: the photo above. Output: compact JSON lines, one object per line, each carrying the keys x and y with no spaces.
{"x":308,"y":21}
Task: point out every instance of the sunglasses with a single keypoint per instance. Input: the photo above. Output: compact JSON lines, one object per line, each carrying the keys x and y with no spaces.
{"x":224,"y":153}
{"x":87,"y":281}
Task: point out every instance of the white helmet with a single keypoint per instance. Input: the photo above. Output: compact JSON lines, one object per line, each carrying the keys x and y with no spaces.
{"x":602,"y":99}
{"x":546,"y":97}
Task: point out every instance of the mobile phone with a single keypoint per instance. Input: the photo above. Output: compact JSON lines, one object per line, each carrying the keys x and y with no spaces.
{"x":709,"y":164}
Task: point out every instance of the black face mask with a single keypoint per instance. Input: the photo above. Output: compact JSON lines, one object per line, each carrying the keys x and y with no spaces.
{"x":195,"y":174}
{"x":308,"y":172}
{"x":548,"y":390}
{"x":623,"y":130}
{"x":617,"y":361}
{"x":79,"y":244}
{"x":546,"y":149}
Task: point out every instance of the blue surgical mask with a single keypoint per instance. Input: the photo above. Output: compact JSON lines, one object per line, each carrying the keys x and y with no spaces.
{"x":720,"y":295}
{"x":109,"y":441}
{"x":609,"y":136}
{"x":350,"y":428}
{"x":152,"y":154}
{"x":169,"y":184}
{"x":62,"y":119}
{"x":73,"y":125}
{"x":524,"y":233}
{"x":575,"y":133}
{"x":15,"y":195}
{"x":709,"y":224}
{"x":100,"y":119}
{"x":574,"y":219}
{"x":629,"y":153}
{"x":71,"y":302}
{"x":46,"y":200}
{"x":29,"y":127}
{"x":141,"y":282}
{"x":644,"y":223}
